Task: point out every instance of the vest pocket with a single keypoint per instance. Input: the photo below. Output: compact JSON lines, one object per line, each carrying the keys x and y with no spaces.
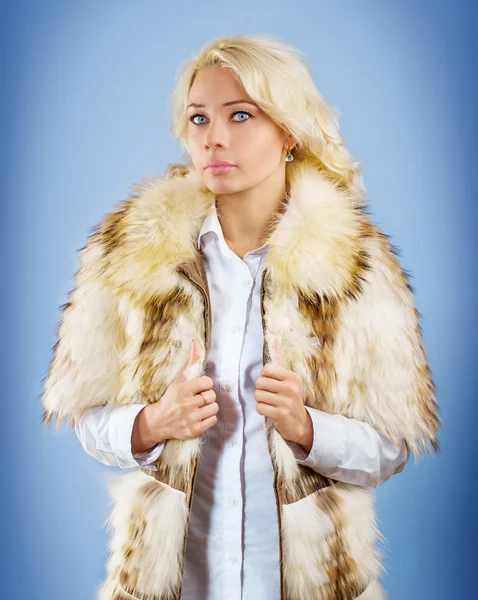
{"x":122,"y":594}
{"x":148,"y":524}
{"x":328,"y":542}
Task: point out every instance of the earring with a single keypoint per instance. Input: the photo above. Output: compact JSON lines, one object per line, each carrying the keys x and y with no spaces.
{"x":289,"y":157}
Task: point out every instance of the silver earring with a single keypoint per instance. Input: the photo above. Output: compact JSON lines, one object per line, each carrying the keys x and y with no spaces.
{"x":289,"y":157}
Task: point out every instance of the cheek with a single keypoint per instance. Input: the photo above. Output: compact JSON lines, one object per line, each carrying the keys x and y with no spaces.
{"x":192,"y":144}
{"x":264,"y":149}
{"x":261,"y":159}
{"x":194,"y":139}
{"x":195,"y":153}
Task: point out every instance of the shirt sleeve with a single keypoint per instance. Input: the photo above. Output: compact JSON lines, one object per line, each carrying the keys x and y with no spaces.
{"x":350,"y":450}
{"x":105,"y":433}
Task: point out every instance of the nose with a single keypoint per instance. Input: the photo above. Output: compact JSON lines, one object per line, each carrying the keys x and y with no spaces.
{"x":216,"y":135}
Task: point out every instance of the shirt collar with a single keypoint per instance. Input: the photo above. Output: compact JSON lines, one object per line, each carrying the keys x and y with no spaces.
{"x":211,"y":224}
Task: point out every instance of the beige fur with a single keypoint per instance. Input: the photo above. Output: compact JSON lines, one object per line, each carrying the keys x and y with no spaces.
{"x":152,"y":560}
{"x":308,"y":524}
{"x":343,"y":311}
{"x":305,"y":531}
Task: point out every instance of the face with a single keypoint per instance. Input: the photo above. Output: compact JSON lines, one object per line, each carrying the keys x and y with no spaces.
{"x":237,"y":132}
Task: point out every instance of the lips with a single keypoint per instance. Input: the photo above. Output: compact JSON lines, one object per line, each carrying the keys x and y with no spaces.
{"x":218,"y":167}
{"x":219,"y":163}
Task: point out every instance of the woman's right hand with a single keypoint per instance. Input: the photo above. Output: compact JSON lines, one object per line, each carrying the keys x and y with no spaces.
{"x":185,"y":411}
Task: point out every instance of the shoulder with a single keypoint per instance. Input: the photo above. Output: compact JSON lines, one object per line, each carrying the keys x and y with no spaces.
{"x":150,"y":200}
{"x":139,"y":242}
{"x":385,"y":278}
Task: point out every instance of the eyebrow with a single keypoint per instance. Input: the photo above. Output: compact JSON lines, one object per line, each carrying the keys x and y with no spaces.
{"x":230,"y":103}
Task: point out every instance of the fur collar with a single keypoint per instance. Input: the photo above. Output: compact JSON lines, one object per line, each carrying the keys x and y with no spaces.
{"x":315,"y":246}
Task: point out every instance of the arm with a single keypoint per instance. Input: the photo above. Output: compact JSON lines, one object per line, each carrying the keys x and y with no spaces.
{"x":350,"y":450}
{"x":105,"y":432}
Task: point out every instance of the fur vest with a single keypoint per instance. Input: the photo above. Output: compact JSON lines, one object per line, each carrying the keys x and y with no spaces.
{"x":335,"y":296}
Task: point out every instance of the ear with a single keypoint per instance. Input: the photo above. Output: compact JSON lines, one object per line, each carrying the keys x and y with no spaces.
{"x":290,"y":143}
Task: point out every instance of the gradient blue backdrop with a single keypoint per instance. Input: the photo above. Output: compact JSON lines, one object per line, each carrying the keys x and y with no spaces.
{"x":84,"y":110}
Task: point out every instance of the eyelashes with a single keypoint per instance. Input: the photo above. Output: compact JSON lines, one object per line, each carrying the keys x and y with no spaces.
{"x":245,"y":112}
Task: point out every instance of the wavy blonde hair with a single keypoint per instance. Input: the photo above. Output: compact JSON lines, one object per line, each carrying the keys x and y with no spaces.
{"x":266,"y":66}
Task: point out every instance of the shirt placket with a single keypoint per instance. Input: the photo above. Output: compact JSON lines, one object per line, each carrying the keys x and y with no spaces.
{"x":234,"y":438}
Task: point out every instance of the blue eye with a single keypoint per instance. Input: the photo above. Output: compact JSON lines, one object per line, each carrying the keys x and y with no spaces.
{"x":194,"y":116}
{"x":238,"y":112}
{"x":242,"y":112}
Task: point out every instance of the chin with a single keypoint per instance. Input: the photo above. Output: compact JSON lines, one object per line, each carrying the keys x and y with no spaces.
{"x":219,"y":185}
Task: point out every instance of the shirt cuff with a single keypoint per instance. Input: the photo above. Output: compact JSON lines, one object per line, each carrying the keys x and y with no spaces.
{"x":329,"y":443}
{"x":144,"y":459}
{"x":120,"y":429}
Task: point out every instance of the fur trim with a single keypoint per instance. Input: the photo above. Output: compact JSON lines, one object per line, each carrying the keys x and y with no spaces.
{"x":148,"y":522}
{"x":330,"y":539}
{"x":325,"y":255}
{"x":340,"y":304}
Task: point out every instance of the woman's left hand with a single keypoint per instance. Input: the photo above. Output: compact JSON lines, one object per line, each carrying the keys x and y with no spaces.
{"x":279,"y":396}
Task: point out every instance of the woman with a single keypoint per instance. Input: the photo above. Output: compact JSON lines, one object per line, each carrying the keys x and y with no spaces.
{"x":245,"y":334}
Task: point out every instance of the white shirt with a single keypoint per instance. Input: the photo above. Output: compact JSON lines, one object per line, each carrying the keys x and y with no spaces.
{"x":233,"y":545}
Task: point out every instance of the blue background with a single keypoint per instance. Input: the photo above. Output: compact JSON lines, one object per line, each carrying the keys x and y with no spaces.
{"x":86,"y":87}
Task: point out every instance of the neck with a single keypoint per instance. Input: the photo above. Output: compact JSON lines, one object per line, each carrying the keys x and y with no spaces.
{"x":247,"y":217}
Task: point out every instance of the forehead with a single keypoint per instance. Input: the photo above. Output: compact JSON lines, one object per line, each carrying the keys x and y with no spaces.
{"x":216,"y":84}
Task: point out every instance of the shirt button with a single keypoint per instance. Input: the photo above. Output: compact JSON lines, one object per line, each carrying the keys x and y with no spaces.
{"x":228,"y":386}
{"x":246,"y":283}
{"x":234,"y":501}
{"x":234,"y":560}
{"x":233,"y":441}
{"x":236,"y":329}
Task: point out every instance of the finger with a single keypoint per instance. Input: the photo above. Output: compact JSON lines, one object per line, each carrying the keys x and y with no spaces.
{"x":204,"y":398}
{"x":269,"y":384}
{"x":193,"y":358}
{"x":275,"y":371}
{"x":207,"y":411}
{"x":209,"y":422}
{"x":266,"y":410}
{"x":209,"y":396}
{"x":278,"y":353}
{"x":200,"y":384}
{"x":269,"y":398}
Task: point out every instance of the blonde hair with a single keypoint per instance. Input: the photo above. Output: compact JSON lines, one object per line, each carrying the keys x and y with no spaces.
{"x":265,"y":67}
